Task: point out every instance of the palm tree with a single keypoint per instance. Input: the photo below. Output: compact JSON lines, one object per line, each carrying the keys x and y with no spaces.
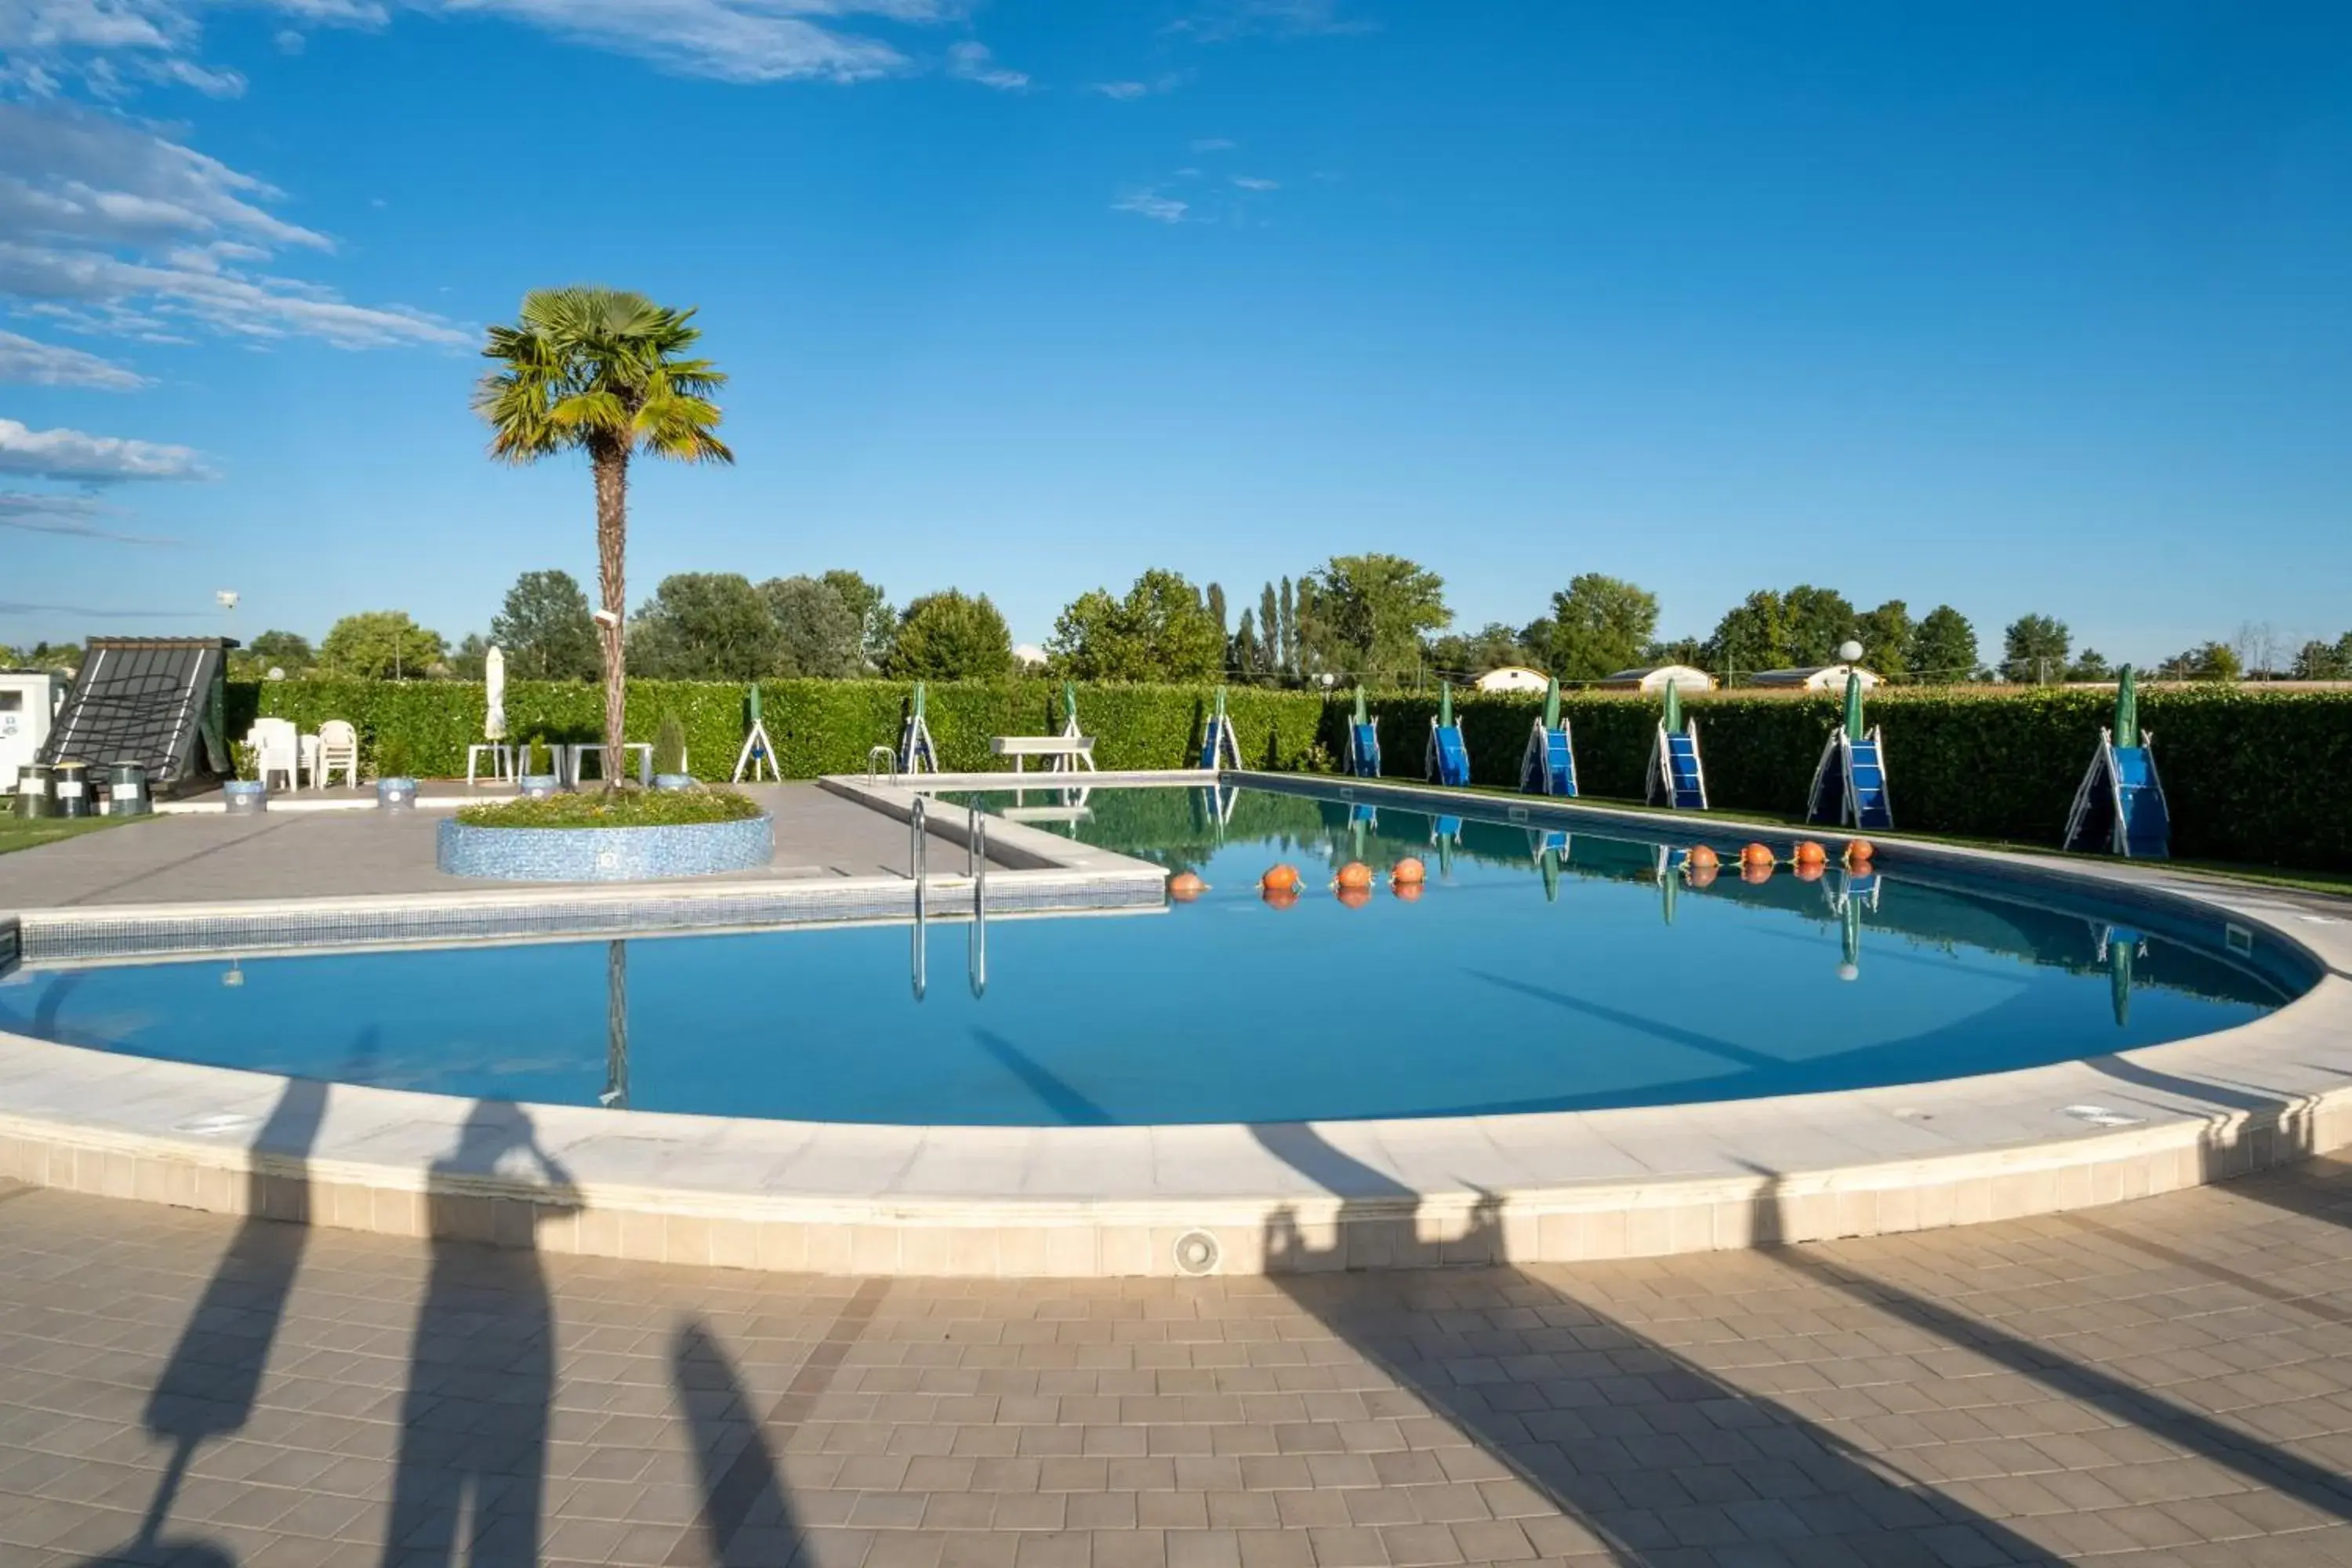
{"x":599,"y":370}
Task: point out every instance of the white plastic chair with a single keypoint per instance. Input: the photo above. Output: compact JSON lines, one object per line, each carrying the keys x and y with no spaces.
{"x":276,"y":749}
{"x":338,"y":747}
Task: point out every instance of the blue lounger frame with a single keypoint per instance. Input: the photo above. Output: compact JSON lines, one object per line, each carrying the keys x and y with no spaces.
{"x":1447,"y":759}
{"x":2120,"y":807}
{"x":1676,"y":778}
{"x":1850,"y":784}
{"x":1548,"y":764}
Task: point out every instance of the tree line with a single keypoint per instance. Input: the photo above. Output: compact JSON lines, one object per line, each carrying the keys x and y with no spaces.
{"x":1378,"y":618}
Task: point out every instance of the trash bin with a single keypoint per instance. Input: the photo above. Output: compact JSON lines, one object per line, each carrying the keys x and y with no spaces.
{"x":245,"y":797}
{"x":73,"y":789}
{"x":395,"y":794}
{"x":36,"y":792}
{"x":126,"y":790}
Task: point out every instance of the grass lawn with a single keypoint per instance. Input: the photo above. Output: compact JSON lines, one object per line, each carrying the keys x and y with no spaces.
{"x":21,"y":833}
{"x":2337,"y":883}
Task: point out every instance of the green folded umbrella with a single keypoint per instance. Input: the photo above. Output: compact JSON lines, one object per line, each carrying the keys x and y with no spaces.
{"x":1674,"y":708}
{"x":1854,"y":730}
{"x":2127,"y":707}
{"x":1551,"y":704}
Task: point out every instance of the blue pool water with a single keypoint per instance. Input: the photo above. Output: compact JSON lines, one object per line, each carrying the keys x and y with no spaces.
{"x":1529,"y":975}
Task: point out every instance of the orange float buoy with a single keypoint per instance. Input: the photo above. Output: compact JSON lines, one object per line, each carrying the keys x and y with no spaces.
{"x":1756,"y":855}
{"x":1409,"y":873}
{"x":1410,"y":893}
{"x":1703,"y":876}
{"x":1809,"y":853}
{"x":1756,"y":871}
{"x":1186,"y":886}
{"x":1353,"y":897}
{"x":1355,"y":874}
{"x":1702,"y":858}
{"x":1858,"y":852}
{"x":1280,"y":897}
{"x":1280,"y":880}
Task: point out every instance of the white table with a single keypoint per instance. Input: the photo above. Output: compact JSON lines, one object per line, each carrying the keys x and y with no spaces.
{"x":1067,"y":751}
{"x":581,"y":750}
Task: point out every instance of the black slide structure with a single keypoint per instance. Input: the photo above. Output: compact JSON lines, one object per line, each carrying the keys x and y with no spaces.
{"x":158,"y":701}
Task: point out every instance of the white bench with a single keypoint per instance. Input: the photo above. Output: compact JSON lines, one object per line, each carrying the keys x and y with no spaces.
{"x":1067,"y":750}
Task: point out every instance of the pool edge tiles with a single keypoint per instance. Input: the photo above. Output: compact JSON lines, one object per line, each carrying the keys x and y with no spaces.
{"x":1542,"y":1187}
{"x":1085,"y":883}
{"x":860,"y":1199}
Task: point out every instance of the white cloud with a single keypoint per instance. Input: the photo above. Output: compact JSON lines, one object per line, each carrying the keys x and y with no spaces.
{"x":112,"y":44}
{"x":25,"y":362}
{"x":972,"y":62}
{"x":730,"y":40}
{"x":71,"y":516}
{"x":73,"y":457}
{"x":1224,"y":19}
{"x":1215,"y":145}
{"x":1252,"y":183}
{"x":81,"y":174}
{"x":1167,"y":81}
{"x":1151,"y":204}
{"x":115,"y":229}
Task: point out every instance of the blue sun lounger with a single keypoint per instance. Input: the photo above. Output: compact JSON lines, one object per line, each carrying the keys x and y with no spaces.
{"x":1447,"y":758}
{"x":1548,"y":764}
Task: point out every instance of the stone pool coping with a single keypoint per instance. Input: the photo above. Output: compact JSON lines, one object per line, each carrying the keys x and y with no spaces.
{"x":1546,"y":1187}
{"x":1031,"y":872}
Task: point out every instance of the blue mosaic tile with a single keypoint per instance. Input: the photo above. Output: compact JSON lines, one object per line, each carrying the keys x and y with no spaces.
{"x":604,"y":854}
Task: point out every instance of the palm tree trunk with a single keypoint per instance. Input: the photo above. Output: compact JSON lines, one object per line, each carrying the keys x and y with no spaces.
{"x":612,"y":467}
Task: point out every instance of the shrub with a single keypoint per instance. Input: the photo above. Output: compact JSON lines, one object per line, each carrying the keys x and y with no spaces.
{"x":669,"y":744}
{"x":613,"y":808}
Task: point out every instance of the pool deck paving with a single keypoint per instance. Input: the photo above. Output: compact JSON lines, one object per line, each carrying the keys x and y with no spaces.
{"x":2164,"y":1385}
{"x":293,"y":853}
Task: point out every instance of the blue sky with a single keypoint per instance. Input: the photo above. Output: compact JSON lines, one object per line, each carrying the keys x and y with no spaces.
{"x":2020,"y":307}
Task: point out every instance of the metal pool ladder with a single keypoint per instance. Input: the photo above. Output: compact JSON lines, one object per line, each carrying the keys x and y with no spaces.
{"x":889,"y":763}
{"x":918,"y":872}
{"x":975,"y":844}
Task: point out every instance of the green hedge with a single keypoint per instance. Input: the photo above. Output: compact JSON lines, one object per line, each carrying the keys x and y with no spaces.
{"x":2260,"y":778}
{"x":817,"y":726}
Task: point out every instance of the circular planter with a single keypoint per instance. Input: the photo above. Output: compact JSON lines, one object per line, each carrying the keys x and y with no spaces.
{"x":604,"y":853}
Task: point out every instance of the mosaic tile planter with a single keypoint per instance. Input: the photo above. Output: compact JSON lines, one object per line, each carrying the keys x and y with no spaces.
{"x":604,"y":853}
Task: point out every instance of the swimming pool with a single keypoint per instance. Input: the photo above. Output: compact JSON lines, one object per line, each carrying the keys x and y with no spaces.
{"x":1534,"y":971}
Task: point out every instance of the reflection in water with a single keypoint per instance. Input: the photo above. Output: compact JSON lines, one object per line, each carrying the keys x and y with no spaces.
{"x":616,"y":1026}
{"x":2120,"y":948}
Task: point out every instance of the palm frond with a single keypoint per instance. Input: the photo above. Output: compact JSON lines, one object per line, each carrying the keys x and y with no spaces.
{"x":595,"y":367}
